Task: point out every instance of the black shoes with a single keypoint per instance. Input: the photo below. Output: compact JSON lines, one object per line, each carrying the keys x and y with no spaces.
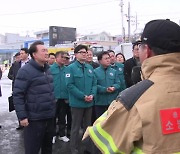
{"x":0,"y":126}
{"x":19,"y":128}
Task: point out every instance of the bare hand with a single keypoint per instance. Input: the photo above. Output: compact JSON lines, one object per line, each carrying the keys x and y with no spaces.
{"x":110,"y":89}
{"x":89,"y":98}
{"x":24,"y":122}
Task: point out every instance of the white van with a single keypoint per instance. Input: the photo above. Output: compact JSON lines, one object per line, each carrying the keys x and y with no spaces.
{"x":125,"y":49}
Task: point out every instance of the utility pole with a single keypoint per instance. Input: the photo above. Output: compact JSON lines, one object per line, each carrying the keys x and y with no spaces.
{"x":136,"y":21}
{"x":129,"y":22}
{"x":122,"y":21}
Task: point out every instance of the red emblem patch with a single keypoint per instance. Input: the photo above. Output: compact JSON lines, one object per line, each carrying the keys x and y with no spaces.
{"x":170,"y":120}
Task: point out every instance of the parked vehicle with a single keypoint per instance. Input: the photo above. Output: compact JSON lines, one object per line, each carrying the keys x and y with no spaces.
{"x":125,"y":49}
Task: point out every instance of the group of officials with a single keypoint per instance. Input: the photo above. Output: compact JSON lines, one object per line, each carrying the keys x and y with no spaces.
{"x":143,"y":118}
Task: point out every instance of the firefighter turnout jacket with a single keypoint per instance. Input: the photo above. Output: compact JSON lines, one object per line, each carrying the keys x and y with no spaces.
{"x":144,"y":118}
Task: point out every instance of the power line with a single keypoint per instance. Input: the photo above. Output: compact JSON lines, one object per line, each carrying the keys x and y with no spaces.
{"x":65,"y":8}
{"x":170,"y":13}
{"x":107,"y":22}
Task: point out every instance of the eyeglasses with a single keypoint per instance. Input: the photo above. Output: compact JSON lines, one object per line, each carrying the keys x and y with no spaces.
{"x":82,"y":52}
{"x":141,"y":45}
{"x":65,"y":57}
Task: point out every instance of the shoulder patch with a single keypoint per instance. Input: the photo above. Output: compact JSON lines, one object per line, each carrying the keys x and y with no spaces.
{"x":129,"y":96}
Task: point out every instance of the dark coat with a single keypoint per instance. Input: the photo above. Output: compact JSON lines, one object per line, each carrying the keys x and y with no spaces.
{"x":33,"y":93}
{"x":13,"y":71}
{"x":128,"y":66}
{"x":94,"y":64}
{"x":0,"y":73}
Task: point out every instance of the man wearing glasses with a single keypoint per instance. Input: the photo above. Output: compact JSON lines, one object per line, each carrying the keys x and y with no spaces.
{"x":81,"y":85}
{"x":131,"y":63}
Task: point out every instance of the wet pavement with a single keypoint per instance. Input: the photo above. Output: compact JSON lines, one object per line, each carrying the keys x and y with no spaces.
{"x":11,"y":140}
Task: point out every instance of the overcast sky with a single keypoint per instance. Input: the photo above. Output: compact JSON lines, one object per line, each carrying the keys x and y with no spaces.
{"x":88,"y":16}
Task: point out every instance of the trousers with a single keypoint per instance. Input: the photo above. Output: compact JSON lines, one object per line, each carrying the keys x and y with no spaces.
{"x":38,"y":135}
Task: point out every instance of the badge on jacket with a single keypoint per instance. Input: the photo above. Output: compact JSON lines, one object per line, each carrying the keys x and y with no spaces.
{"x":170,"y":120}
{"x":68,"y":75}
{"x":120,"y":69}
{"x":111,"y":74}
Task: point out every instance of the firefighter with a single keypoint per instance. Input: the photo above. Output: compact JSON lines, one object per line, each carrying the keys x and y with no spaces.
{"x":145,"y":118}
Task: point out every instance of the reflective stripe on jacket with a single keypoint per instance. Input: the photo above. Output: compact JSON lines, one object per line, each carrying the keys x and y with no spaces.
{"x":137,"y":127}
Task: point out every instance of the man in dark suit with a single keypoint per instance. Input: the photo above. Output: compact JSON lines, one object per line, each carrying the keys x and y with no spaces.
{"x":19,"y":62}
{"x":130,"y":64}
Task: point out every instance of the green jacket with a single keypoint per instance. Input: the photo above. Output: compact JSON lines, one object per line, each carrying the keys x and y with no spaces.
{"x":60,"y":88}
{"x":120,"y":69}
{"x":106,"y":78}
{"x":80,"y":83}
